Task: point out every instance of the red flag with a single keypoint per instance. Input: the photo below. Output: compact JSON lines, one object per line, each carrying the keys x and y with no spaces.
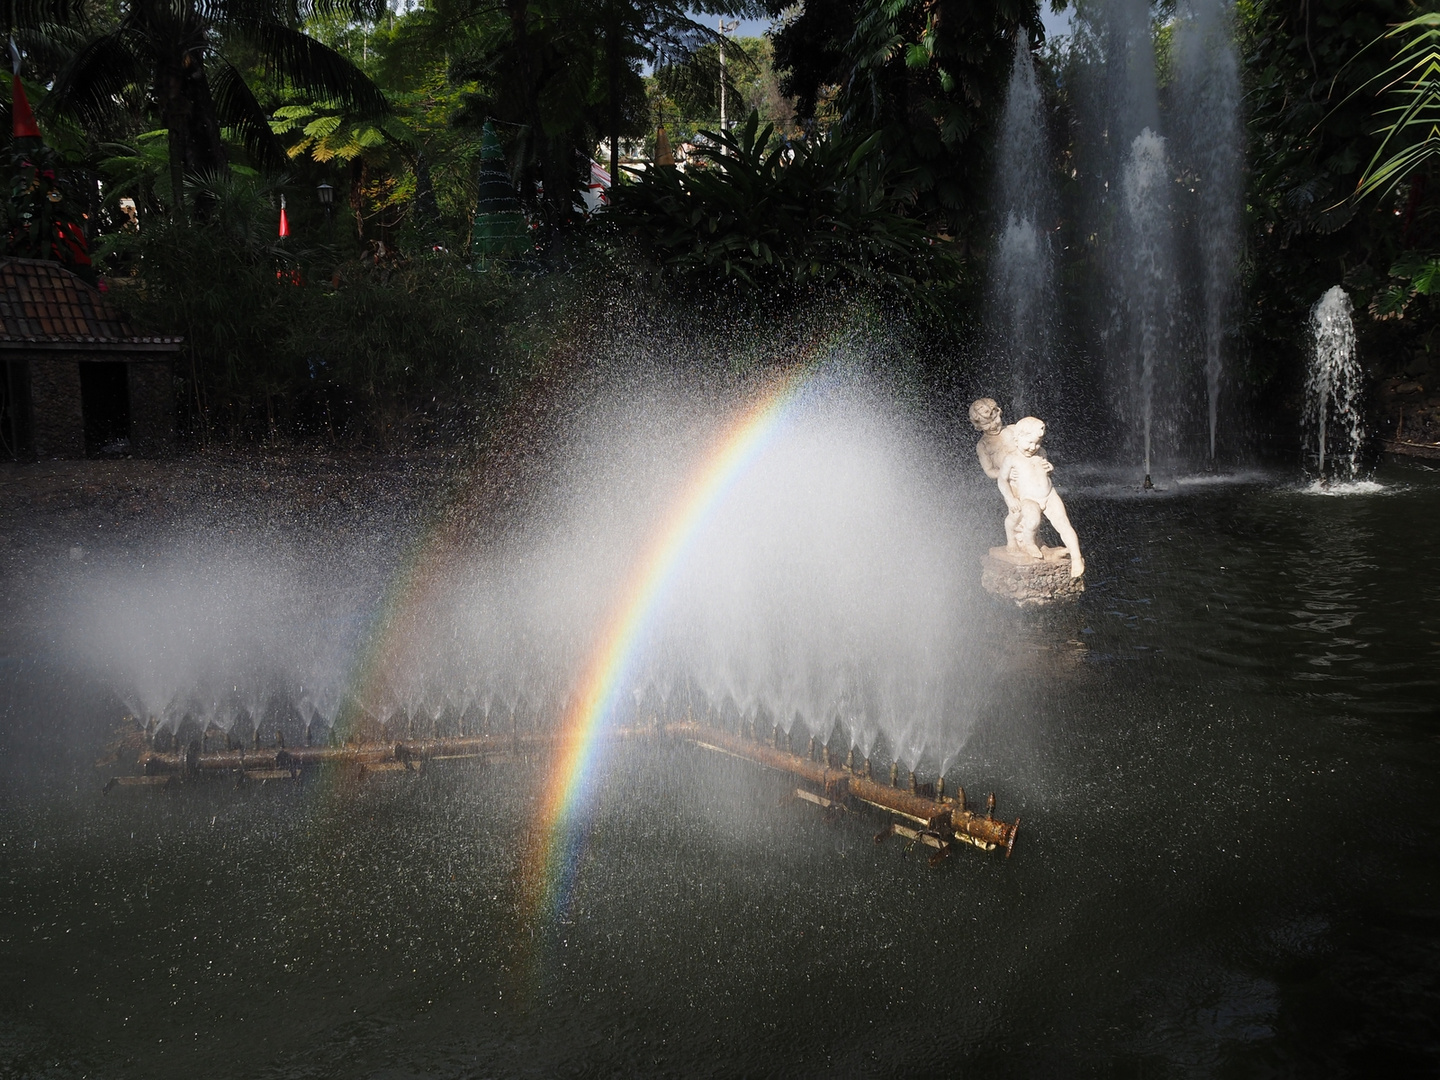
{"x":23,"y":120}
{"x":284,"y":221}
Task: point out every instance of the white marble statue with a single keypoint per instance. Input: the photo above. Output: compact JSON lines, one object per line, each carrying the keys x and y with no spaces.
{"x":997,"y":442}
{"x":1024,"y":480}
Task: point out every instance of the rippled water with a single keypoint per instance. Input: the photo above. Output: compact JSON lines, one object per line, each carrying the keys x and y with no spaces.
{"x":1224,"y":761}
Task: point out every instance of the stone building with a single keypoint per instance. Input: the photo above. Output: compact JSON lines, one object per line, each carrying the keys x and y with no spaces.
{"x":77,"y":378}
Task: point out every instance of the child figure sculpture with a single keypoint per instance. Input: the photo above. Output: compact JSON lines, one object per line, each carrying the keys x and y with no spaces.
{"x":1024,"y":481}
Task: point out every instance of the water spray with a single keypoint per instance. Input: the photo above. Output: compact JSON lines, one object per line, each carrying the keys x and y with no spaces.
{"x":927,"y":815}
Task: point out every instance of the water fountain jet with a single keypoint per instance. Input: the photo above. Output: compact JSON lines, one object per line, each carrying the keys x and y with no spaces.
{"x":1332,"y":387}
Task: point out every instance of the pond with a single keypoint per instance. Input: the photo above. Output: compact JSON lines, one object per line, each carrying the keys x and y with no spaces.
{"x":1223,"y":758}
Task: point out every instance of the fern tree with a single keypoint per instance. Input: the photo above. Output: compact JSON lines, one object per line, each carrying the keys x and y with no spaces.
{"x":178,"y":55}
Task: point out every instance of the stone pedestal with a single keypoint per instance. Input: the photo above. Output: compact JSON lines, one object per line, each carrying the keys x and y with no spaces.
{"x":1030,"y":582}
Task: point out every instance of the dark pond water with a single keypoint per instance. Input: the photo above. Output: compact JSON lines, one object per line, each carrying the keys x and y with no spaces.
{"x":1225,"y":760}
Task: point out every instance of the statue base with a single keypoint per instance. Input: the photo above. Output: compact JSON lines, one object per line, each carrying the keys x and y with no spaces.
{"x":1030,"y":582}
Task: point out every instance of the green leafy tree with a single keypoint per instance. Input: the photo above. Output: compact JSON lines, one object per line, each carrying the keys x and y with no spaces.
{"x":666,"y":36}
{"x":686,"y":96}
{"x":929,"y":75}
{"x":182,"y":57}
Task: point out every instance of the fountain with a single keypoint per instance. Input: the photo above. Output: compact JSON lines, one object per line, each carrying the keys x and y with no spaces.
{"x":1159,"y":196}
{"x":1332,"y":389}
{"x":556,"y":730}
{"x":768,"y":592}
{"x":511,"y":766}
{"x":1022,"y":300}
{"x":1207,"y":102}
{"x":1145,"y":187}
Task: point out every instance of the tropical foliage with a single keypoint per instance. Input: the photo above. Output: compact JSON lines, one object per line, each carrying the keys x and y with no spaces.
{"x":758,"y":211}
{"x":1318,"y":128}
{"x":928,"y":75}
{"x":177,"y":59}
{"x":863,"y":167}
{"x":307,"y":339}
{"x":1410,"y":134}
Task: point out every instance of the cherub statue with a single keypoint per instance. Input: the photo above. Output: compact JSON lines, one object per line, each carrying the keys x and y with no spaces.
{"x":996,"y":442}
{"x":1024,"y":481}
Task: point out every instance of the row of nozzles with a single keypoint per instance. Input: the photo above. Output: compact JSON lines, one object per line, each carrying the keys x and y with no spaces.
{"x":783,"y":740}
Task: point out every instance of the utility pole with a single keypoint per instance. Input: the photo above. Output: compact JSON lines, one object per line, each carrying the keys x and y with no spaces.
{"x":725,"y":28}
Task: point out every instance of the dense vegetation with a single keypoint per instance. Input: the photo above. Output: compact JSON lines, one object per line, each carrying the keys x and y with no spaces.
{"x":857,"y":161}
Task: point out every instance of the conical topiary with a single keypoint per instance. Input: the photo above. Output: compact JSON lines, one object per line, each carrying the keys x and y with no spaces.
{"x":500,"y":230}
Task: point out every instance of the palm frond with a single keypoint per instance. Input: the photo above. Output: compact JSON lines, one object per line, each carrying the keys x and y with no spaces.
{"x":1410,"y":128}
{"x":32,"y":13}
{"x":237,"y":109}
{"x":313,"y":67}
{"x":47,"y":46}
{"x":293,"y":13}
{"x":91,"y":87}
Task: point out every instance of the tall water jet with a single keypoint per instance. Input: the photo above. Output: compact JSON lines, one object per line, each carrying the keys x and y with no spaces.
{"x":1024,"y":265}
{"x":1207,"y":105}
{"x":1145,"y":185}
{"x":1124,"y":176}
{"x":1332,"y":387}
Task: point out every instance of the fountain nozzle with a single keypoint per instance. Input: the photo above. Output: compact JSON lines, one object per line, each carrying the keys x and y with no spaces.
{"x":1149,"y":484}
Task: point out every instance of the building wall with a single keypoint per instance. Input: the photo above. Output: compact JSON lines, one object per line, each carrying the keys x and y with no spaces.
{"x":57,"y":425}
{"x":152,"y":407}
{"x":50,"y":420}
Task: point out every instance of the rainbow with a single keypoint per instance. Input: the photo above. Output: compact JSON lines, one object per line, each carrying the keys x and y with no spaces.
{"x":555,"y":850}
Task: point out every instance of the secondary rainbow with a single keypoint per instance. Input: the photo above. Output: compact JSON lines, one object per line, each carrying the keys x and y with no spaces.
{"x":554,"y":855}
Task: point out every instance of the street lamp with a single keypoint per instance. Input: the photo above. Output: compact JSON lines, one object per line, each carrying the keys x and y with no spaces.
{"x":327,"y":196}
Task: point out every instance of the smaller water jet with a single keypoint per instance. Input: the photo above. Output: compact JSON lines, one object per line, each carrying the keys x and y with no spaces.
{"x":1332,"y":388}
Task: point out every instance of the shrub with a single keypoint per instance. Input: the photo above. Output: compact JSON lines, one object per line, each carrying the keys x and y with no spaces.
{"x":286,"y":339}
{"x":766,"y":216}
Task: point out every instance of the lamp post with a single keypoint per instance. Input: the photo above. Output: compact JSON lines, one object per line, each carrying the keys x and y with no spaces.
{"x":327,"y":197}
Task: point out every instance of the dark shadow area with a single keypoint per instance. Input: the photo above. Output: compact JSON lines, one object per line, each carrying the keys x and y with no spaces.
{"x":105,"y":402}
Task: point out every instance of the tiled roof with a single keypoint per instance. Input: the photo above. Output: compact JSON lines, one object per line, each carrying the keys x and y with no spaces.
{"x":43,"y":303}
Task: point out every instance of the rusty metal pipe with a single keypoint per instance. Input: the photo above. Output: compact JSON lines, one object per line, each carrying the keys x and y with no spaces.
{"x":940,"y":816}
{"x":411,"y":750}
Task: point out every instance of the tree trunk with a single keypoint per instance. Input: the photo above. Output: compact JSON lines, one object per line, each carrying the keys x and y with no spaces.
{"x":612,"y":64}
{"x":553,"y":157}
{"x":427,"y":207}
{"x":170,"y":90}
{"x":188,"y":111}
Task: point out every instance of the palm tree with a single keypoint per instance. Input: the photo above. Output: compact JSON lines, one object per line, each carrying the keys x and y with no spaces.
{"x":175,"y":52}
